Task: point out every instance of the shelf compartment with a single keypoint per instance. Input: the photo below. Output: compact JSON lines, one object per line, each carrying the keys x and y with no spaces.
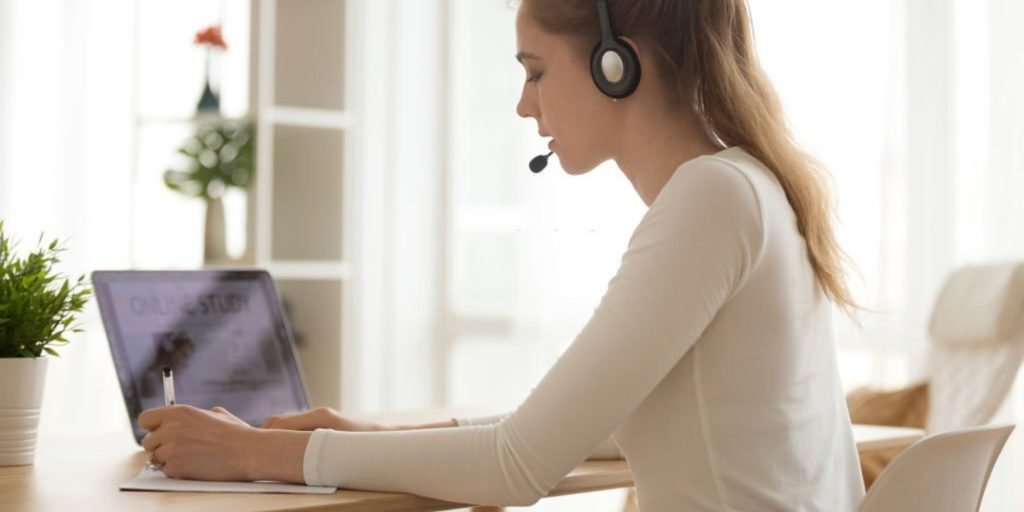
{"x":310,"y":59}
{"x":314,"y":310}
{"x":306,"y":207}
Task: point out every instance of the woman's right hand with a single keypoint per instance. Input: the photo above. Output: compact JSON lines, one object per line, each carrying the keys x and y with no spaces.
{"x":320,"y":417}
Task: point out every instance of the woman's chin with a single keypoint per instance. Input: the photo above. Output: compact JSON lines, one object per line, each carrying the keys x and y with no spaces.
{"x":573,"y":168}
{"x":573,"y":165}
{"x":576,"y":171}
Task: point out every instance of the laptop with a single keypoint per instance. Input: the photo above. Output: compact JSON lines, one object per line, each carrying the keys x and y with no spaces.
{"x":223,"y":333}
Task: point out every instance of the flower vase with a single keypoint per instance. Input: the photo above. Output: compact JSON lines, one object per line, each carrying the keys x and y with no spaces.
{"x":209,"y":102}
{"x":214,"y":236}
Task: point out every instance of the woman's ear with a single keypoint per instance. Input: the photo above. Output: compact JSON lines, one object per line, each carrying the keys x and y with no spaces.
{"x":642,"y":60}
{"x":632,"y":43}
{"x":644,"y":63}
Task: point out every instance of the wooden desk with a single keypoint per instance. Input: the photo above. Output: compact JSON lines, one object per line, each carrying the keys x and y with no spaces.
{"x":83,"y":474}
{"x":872,"y":438}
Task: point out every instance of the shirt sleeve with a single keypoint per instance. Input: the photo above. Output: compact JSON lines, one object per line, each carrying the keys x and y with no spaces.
{"x":607,"y":450}
{"x":480,"y":420}
{"x":694,"y":248}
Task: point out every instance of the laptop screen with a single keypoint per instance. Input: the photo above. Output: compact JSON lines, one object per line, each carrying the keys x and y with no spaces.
{"x":222,"y":332}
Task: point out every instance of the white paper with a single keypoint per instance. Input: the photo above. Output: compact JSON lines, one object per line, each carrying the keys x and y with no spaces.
{"x":152,"y":479}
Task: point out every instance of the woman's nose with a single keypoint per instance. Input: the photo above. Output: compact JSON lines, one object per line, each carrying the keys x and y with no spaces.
{"x":525,"y":107}
{"x":521,"y":108}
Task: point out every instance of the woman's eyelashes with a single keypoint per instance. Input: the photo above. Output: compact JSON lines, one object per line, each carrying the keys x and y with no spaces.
{"x":533,"y":77}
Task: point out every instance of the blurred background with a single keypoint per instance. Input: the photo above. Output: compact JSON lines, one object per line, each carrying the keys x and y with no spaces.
{"x":368,"y":154}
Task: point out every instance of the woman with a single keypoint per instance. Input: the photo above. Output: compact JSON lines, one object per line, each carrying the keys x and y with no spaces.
{"x":709,"y":362}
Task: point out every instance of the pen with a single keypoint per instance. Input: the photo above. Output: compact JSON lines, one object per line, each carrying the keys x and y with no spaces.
{"x":168,"y":400}
{"x":168,"y":386}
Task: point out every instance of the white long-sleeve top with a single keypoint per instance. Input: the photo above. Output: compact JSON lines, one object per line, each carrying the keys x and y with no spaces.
{"x":709,"y":361}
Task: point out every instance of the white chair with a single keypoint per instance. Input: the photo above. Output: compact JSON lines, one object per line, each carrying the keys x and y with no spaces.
{"x":945,"y":472}
{"x":976,"y":345}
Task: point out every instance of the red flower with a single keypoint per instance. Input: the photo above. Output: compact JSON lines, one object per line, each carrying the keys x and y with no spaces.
{"x":211,"y":36}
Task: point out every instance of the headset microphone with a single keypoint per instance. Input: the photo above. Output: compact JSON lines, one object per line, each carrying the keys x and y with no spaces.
{"x":539,"y":162}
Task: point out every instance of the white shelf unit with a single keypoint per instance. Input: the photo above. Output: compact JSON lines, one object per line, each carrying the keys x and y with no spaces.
{"x":301,"y":86}
{"x":288,"y":69}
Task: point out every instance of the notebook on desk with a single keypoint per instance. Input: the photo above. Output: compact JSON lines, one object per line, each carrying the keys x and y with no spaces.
{"x":152,"y":479}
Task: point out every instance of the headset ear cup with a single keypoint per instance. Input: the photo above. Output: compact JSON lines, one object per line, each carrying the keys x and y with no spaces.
{"x":630,"y":69}
{"x":631,"y":77}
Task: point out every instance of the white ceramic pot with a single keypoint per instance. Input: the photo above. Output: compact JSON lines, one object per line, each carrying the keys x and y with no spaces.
{"x":21,"y":395}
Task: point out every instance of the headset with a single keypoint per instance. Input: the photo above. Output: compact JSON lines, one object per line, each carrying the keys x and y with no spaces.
{"x":613,"y":64}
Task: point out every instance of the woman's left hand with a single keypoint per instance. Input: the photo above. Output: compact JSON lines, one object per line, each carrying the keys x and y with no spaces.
{"x":199,"y":444}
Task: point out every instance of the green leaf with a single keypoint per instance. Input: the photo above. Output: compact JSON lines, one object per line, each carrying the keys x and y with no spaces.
{"x":51,"y":351}
{"x":38,"y":304}
{"x":207,"y":162}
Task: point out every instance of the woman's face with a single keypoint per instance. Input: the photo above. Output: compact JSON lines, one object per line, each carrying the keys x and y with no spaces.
{"x":560,"y":94}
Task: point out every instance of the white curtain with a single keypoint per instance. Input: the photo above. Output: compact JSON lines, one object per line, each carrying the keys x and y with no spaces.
{"x":91,"y":108}
{"x":909,"y":104}
{"x":915,"y":107}
{"x":65,"y":134}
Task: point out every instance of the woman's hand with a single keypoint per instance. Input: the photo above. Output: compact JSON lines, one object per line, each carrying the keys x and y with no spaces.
{"x":321,"y":417}
{"x":215,"y":445}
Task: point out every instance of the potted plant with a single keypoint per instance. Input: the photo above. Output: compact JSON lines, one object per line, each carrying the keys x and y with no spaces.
{"x":38,"y":308}
{"x":219,"y":156}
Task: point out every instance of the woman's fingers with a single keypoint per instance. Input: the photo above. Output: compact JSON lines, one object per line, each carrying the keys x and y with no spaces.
{"x":321,"y":417}
{"x":225,"y":412}
{"x":150,"y":419}
{"x":287,"y":422}
{"x":201,"y":444}
{"x":171,"y":467}
{"x":149,"y":443}
{"x":159,"y":456}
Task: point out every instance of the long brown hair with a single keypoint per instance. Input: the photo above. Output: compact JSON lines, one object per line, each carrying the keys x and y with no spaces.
{"x":704,"y":50}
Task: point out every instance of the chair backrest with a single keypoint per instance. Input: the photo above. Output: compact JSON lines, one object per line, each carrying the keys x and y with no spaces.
{"x":945,"y":472}
{"x":977,"y":343}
